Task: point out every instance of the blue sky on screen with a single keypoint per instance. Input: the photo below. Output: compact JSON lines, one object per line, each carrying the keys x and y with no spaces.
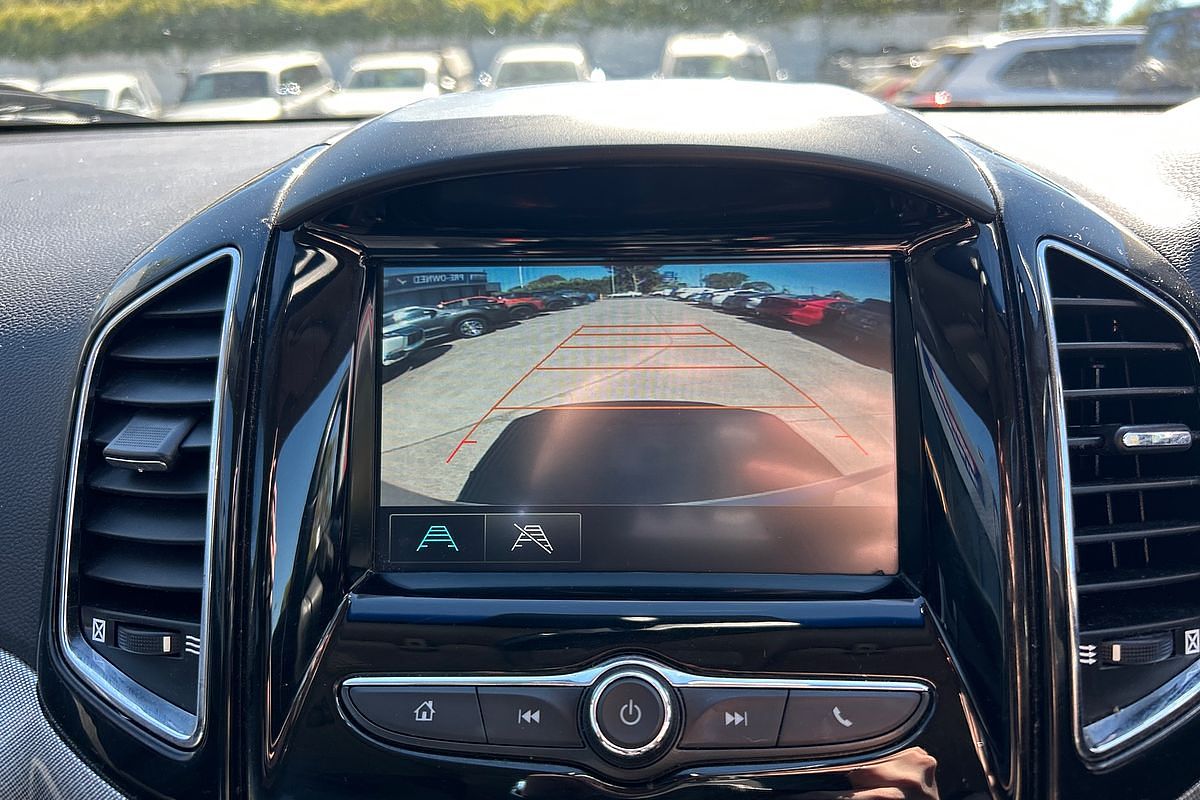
{"x":860,"y":279}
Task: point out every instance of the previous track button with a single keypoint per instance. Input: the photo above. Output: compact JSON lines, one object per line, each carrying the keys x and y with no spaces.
{"x":533,"y":538}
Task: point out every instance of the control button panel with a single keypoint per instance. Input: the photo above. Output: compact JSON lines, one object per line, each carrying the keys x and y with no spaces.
{"x":719,"y":718}
{"x":633,"y":718}
{"x":538,"y":716}
{"x":829,"y":718}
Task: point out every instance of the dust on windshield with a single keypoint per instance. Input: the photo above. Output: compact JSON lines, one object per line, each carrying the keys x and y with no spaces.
{"x":304,"y":59}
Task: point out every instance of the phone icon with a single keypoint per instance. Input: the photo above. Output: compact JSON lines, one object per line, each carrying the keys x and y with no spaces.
{"x":843,"y":721}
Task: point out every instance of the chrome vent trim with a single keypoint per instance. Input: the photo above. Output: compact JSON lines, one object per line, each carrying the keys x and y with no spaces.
{"x":1131,"y":728}
{"x":159,"y":716}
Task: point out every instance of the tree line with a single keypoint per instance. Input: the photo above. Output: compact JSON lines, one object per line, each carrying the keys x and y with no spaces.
{"x":38,"y":29}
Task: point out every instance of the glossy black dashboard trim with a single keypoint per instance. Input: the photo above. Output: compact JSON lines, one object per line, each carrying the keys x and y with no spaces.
{"x":483,"y":131}
{"x":1034,"y":209}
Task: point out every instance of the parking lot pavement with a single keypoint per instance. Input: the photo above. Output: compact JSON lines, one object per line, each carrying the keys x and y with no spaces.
{"x":443,"y":412}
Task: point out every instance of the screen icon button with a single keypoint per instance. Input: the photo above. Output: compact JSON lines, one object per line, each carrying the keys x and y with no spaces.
{"x":533,"y":538}
{"x":436,"y":538}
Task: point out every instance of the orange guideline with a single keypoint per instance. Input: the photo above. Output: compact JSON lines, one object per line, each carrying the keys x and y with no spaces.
{"x":704,"y":331}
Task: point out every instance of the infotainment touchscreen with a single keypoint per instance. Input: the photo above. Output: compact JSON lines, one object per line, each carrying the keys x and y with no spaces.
{"x":733,"y":417}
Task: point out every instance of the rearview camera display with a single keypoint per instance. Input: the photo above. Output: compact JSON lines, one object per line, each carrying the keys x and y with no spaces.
{"x":662,"y":417}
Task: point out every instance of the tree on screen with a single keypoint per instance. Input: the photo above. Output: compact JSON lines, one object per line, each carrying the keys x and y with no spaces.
{"x":635,"y":277}
{"x":545,"y":282}
{"x":725,"y":280}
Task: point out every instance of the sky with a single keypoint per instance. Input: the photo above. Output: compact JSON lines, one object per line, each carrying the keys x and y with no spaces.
{"x":1119,"y":8}
{"x":858,"y":279}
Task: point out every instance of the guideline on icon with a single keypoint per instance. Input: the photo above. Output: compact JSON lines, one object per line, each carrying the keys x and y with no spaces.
{"x":437,"y":535}
{"x":531,"y":534}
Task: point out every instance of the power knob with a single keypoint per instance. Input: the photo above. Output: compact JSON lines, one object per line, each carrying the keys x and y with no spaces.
{"x":631,"y":716}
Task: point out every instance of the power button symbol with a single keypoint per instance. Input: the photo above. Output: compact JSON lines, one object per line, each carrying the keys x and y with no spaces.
{"x":631,"y":713}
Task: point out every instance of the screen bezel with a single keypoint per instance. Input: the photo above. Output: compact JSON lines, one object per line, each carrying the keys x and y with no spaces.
{"x":905,"y":404}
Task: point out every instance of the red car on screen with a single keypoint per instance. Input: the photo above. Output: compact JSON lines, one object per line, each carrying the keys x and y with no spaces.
{"x":804,"y":311}
{"x":518,"y":307}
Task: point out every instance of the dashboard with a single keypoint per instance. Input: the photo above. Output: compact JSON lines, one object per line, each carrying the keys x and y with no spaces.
{"x":617,"y":440}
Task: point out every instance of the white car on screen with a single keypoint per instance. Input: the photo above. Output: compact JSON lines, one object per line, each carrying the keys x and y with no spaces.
{"x":127,"y":92}
{"x":258,"y":88}
{"x":399,"y":340}
{"x":378,"y":84}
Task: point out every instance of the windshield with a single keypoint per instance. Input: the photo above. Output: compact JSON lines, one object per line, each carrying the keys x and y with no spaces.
{"x":228,"y":86}
{"x":397,"y":78}
{"x":527,"y":73}
{"x":96,"y":97}
{"x":747,"y":67}
{"x":920,"y":54}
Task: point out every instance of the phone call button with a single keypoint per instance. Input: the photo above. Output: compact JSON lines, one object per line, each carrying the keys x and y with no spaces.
{"x":828,"y":718}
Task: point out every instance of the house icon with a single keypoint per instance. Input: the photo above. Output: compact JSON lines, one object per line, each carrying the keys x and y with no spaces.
{"x":424,"y":712}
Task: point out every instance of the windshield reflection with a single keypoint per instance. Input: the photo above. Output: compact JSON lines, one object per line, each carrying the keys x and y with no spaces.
{"x":300,"y":59}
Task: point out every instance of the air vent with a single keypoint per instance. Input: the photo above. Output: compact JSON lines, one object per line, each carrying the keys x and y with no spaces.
{"x":1128,"y":369}
{"x":134,"y":609}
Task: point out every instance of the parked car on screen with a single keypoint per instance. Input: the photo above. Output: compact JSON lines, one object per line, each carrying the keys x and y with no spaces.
{"x":721,"y":56}
{"x":127,"y":92}
{"x":801,"y":310}
{"x":626,"y":294}
{"x":466,"y":322}
{"x":579,"y":298}
{"x":553,"y":301}
{"x":1036,"y":68}
{"x":399,"y":340}
{"x":377,"y":84}
{"x":518,"y":307}
{"x":527,"y":65}
{"x":868,"y":321}
{"x":262,"y":87}
{"x":738,"y":301}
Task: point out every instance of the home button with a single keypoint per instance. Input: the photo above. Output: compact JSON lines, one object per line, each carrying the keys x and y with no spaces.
{"x":631,"y":715}
{"x":447,"y":713}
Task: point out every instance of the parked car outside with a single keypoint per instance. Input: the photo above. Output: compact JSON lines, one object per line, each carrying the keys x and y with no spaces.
{"x":1166,"y":68}
{"x":518,"y":307}
{"x":1026,"y":69}
{"x":466,"y":322}
{"x":526,"y":65}
{"x":127,"y":92}
{"x":721,"y":56}
{"x":377,"y":84}
{"x":264,"y":87}
{"x":399,"y":340}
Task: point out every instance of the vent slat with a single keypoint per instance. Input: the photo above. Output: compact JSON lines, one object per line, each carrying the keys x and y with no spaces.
{"x":172,"y":522}
{"x":1097,"y":534}
{"x":1084,"y":442}
{"x":177,"y":483}
{"x":207,"y":300}
{"x":169,"y":346}
{"x":1075,"y":348}
{"x":1093,"y":303}
{"x":170,"y":569}
{"x":1152,"y":484}
{"x":106,"y":428}
{"x":1128,"y":392}
{"x":160,"y":389}
{"x":1118,"y":580}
